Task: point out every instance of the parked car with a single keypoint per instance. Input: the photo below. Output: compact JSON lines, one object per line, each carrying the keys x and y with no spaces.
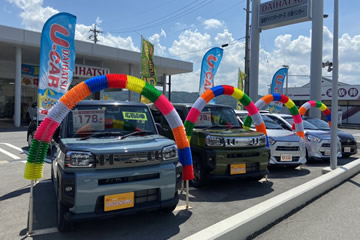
{"x":317,"y":141}
{"x":286,"y":148}
{"x":348,"y":142}
{"x":31,"y":112}
{"x":219,"y":145}
{"x":111,"y":161}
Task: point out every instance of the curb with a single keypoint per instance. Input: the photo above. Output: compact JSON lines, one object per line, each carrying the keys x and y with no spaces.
{"x":251,"y":220}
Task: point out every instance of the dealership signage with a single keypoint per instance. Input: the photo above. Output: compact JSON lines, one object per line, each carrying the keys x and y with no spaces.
{"x":283,"y":12}
{"x":89,"y":71}
{"x":344,"y":93}
{"x":30,"y":73}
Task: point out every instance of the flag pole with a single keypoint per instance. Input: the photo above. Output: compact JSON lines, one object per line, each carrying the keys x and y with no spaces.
{"x":31,"y":208}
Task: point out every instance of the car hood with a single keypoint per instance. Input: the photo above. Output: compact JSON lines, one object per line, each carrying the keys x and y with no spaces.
{"x":345,"y":135}
{"x":282,"y":135}
{"x":113,"y":145}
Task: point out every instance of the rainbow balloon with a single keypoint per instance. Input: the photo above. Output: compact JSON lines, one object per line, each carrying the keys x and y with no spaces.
{"x":209,"y":94}
{"x":299,"y":128}
{"x":309,"y":104}
{"x":44,"y":133}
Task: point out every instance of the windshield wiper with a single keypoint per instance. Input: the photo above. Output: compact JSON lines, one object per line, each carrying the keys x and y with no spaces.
{"x":135,"y":133}
{"x":100,"y":134}
{"x":231,"y":127}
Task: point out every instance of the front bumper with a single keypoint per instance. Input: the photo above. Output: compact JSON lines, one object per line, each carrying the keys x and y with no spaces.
{"x":321,"y":150}
{"x":218,"y":162}
{"x":287,"y":153}
{"x":153,"y":186}
{"x":348,"y":148}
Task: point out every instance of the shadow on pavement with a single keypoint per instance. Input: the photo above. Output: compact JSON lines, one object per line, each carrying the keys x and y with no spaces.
{"x":282,"y":172}
{"x":228,"y":190}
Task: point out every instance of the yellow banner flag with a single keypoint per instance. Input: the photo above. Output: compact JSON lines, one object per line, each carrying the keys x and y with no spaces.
{"x":148,"y":69}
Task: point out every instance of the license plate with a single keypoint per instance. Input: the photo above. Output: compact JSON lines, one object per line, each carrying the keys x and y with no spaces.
{"x":238,"y":168}
{"x":118,"y":201}
{"x":286,"y":157}
{"x":327,"y":152}
{"x":347,"y":149}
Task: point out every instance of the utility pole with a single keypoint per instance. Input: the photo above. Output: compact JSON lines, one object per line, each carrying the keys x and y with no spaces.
{"x":247,"y":49}
{"x":95,"y":35}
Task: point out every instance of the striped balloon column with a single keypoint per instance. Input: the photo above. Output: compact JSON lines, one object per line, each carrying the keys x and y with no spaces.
{"x":309,"y":104}
{"x":299,"y":128}
{"x":209,"y":94}
{"x":44,"y":133}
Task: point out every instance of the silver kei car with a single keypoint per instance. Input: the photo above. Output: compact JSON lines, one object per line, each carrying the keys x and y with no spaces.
{"x":286,"y":148}
{"x":317,"y":141}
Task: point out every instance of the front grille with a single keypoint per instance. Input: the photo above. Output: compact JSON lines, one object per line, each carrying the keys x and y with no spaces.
{"x":141,"y":198}
{"x":243,"y":155}
{"x":294,"y":159}
{"x":107,"y":181}
{"x":252,"y":167}
{"x":287,"y":148}
{"x":127,"y":159}
{"x":325,"y":145}
{"x":347,"y":142}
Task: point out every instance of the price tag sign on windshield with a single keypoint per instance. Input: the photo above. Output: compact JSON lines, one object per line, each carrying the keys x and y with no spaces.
{"x":93,"y":118}
{"x":204,"y":119}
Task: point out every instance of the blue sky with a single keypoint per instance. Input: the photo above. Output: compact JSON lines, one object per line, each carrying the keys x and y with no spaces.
{"x":187,"y":29}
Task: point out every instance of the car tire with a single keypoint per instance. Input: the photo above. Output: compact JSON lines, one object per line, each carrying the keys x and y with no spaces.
{"x":200,"y":177}
{"x":30,"y":137}
{"x":63,"y":225}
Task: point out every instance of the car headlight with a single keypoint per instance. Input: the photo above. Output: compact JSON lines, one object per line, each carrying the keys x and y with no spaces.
{"x":262,"y":140}
{"x":79,"y":159}
{"x":169,"y":152}
{"x":214,"y":141}
{"x":312,"y":138}
{"x":271,"y":141}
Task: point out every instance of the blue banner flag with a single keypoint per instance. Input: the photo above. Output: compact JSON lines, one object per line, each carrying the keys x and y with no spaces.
{"x":209,"y":66}
{"x":277,"y":86}
{"x":57,"y":60}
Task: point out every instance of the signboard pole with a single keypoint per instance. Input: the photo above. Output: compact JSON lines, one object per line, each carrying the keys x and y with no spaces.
{"x":334,"y":100}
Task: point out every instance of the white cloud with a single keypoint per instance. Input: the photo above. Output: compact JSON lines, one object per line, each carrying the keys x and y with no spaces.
{"x":212,"y":23}
{"x":155,"y":39}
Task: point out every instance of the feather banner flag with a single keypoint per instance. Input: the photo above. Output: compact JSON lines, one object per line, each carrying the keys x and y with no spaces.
{"x":209,"y":66}
{"x":241,"y":79}
{"x":277,"y":86}
{"x":148,"y":69}
{"x":57,"y":60}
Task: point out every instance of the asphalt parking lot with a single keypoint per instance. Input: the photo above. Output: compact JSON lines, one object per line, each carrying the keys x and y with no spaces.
{"x":219,"y":200}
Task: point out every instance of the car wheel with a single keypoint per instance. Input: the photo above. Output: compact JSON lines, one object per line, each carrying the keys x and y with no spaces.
{"x":30,"y":138}
{"x":200,"y":176}
{"x":63,"y":225}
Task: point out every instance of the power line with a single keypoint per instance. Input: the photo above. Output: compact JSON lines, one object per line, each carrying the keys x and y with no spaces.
{"x":166,"y":18}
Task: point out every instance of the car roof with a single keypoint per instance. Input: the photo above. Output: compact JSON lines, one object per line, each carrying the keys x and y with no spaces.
{"x":279,"y":114}
{"x":106,"y":102}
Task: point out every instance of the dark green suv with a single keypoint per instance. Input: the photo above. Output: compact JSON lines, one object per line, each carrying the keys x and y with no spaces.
{"x":219,"y":145}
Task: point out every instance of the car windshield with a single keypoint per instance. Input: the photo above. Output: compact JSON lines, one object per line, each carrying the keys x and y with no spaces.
{"x":306,"y":124}
{"x":86,"y":121}
{"x":217,"y":116}
{"x":269,"y":123}
{"x":321,"y":124}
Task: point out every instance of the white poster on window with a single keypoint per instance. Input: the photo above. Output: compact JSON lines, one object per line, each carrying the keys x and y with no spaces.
{"x":93,"y":120}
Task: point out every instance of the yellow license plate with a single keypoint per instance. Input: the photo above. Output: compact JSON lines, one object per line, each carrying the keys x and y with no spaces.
{"x":237,"y":168}
{"x":118,"y":201}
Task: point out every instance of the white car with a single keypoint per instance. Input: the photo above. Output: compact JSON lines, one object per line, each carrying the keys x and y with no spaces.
{"x":317,"y":141}
{"x":286,"y":148}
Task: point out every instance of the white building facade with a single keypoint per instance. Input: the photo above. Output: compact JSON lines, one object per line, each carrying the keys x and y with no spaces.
{"x":19,"y":70}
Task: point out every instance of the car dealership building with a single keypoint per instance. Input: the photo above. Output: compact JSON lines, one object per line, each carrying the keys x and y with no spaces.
{"x":19,"y":70}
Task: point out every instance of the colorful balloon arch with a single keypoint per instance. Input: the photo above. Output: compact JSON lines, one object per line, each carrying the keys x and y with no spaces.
{"x":44,"y":133}
{"x":299,"y":128}
{"x":209,"y":94}
{"x":309,"y":104}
